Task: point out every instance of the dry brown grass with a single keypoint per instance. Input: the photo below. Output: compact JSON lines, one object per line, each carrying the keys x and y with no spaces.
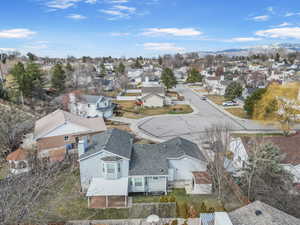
{"x":239,"y":112}
{"x":217,"y":99}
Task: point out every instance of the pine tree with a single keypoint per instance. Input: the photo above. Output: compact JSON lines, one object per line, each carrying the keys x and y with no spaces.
{"x":58,"y":78}
{"x":168,"y":78}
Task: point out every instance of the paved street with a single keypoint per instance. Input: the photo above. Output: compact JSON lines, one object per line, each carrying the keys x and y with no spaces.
{"x":192,"y":126}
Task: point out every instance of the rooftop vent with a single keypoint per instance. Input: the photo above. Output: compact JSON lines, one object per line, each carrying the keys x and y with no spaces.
{"x":258,"y":212}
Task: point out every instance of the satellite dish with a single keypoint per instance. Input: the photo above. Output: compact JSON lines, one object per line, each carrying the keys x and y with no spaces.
{"x":152,"y":219}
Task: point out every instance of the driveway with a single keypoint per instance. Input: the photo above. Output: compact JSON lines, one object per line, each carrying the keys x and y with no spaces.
{"x":193,"y":126}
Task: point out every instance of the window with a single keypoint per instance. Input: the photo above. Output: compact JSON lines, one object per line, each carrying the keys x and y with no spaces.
{"x":22,"y":165}
{"x":119,"y":167}
{"x":110,"y":168}
{"x":66,"y":138}
{"x":155,"y":178}
{"x":138,"y":182}
{"x":89,"y":105}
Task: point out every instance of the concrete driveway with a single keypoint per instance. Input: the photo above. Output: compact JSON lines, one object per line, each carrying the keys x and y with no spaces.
{"x":193,"y":126}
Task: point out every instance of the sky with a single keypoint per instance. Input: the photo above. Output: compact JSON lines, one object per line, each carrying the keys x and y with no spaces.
{"x":130,"y":28}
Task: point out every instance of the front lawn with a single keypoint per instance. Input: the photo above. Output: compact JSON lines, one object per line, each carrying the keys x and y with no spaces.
{"x":239,"y":112}
{"x":185,"y":202}
{"x":129,"y":109}
{"x":217,"y":99}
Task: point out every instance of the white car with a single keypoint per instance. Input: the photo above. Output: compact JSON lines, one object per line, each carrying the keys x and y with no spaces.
{"x":230,"y":103}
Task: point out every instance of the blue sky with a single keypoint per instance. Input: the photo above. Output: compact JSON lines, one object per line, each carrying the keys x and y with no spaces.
{"x":144,"y":27}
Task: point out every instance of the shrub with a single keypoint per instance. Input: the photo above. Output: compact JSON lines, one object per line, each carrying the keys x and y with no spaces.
{"x":172,"y":198}
{"x":182,"y":210}
{"x":163,"y":199}
{"x":174,"y":222}
{"x":211,"y":210}
{"x":203,"y":207}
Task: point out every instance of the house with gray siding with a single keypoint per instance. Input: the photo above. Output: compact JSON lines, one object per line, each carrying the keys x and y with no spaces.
{"x":91,"y":106}
{"x":112,"y":167}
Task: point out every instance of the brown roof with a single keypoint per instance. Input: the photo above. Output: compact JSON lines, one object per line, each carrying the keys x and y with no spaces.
{"x":202,"y":177}
{"x":59,"y":117}
{"x":289,"y":147}
{"x":19,"y":154}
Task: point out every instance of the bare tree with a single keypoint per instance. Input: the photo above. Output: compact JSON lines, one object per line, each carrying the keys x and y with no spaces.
{"x":14,"y":122}
{"x":24,"y":197}
{"x":218,"y":137}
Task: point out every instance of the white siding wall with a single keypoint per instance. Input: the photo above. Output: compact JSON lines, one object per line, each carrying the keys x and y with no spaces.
{"x":154,"y":101}
{"x":184,"y":167}
{"x":93,"y":168}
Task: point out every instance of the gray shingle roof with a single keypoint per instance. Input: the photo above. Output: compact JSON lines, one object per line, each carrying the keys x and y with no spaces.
{"x":178,"y":147}
{"x":267,"y":215}
{"x":153,"y":90}
{"x":92,"y":99}
{"x":113,"y":140}
{"x":147,"y":160}
{"x":152,"y":159}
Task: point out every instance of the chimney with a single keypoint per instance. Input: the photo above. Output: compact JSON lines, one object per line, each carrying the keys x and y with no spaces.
{"x":82,"y":145}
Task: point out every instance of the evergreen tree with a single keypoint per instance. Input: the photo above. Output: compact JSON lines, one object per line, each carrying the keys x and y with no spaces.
{"x":233,"y":90}
{"x":168,"y":78}
{"x":121,"y":68}
{"x":194,"y":76}
{"x":253,"y":99}
{"x":58,"y":78}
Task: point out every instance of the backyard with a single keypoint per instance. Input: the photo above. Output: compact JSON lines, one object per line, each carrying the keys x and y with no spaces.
{"x":200,"y":203}
{"x":129,"y":109}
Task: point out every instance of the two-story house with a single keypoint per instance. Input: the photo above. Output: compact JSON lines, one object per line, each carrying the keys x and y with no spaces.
{"x":57,"y":133}
{"x":91,"y":106}
{"x":112,"y":167}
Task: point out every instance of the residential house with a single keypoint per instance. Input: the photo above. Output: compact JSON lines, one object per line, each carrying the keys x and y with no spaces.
{"x":90,"y":106}
{"x":57,"y":133}
{"x":18,"y":162}
{"x":289,"y":148}
{"x":112,"y":166}
{"x":259,"y":213}
{"x":153,"y":96}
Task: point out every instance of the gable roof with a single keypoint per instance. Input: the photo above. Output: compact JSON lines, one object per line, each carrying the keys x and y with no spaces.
{"x":152,"y":94}
{"x":289,"y":147}
{"x":259,"y":213}
{"x":91,"y":99}
{"x":152,"y":159}
{"x":115,"y":141}
{"x":178,"y":147}
{"x":19,"y":154}
{"x":59,"y":117}
{"x":153,"y":89}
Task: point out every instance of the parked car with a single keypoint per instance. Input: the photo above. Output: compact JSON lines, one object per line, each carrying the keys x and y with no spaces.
{"x":230,"y":103}
{"x":204,"y":98}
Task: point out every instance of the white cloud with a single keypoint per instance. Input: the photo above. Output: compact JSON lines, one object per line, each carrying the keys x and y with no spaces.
{"x":119,"y":11}
{"x":91,"y":1}
{"x":288,"y":14}
{"x":118,"y":1}
{"x":243,"y":39}
{"x":260,"y":18}
{"x":167,"y":47}
{"x":65,"y":4}
{"x":284,"y":24}
{"x":119,"y":34}
{"x":283,"y":32}
{"x":76,"y":17}
{"x":16,"y":33}
{"x":125,"y":8}
{"x":172,"y":31}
